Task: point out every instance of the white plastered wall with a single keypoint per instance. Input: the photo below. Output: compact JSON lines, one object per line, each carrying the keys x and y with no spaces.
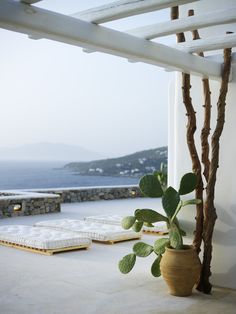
{"x":224,"y":247}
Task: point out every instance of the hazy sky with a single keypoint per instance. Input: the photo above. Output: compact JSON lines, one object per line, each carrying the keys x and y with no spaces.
{"x":53,"y":92}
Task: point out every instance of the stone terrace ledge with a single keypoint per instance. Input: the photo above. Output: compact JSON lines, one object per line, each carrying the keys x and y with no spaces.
{"x":93,"y":193}
{"x":41,"y":201}
{"x":21,"y":203}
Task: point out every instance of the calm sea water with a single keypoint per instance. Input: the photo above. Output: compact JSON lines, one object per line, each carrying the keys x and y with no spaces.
{"x":33,"y":175}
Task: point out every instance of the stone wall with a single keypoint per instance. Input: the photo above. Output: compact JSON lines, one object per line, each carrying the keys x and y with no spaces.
{"x":25,"y":204}
{"x":43,"y":201}
{"x":73,"y":195}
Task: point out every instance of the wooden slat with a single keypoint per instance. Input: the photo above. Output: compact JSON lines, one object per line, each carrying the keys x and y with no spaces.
{"x":124,"y":8}
{"x":117,"y":241}
{"x":47,"y":24}
{"x":209,"y":44}
{"x":155,"y":232}
{"x":185,"y":24}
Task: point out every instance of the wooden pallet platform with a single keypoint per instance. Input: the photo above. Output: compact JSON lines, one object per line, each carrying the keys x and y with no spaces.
{"x":42,"y":251}
{"x":156,"y":232}
{"x":116,"y":241}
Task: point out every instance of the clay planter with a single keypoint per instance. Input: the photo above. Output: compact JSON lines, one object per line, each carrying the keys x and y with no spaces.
{"x":181,"y":270}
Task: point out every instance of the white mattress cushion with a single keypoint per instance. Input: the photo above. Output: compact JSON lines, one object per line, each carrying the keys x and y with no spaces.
{"x":93,"y":230}
{"x":159,"y":226}
{"x":41,"y":238}
{"x":106,"y":219}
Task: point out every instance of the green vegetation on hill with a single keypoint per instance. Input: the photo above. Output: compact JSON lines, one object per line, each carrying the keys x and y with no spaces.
{"x":134,"y":165}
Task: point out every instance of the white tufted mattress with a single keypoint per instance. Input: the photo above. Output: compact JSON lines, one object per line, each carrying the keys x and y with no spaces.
{"x":41,"y":238}
{"x":106,"y":219}
{"x":94,"y":230}
{"x":159,"y":226}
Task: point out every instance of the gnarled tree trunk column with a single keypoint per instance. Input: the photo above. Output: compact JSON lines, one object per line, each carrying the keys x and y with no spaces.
{"x":207,"y":114}
{"x":209,"y":207}
{"x":191,"y":129}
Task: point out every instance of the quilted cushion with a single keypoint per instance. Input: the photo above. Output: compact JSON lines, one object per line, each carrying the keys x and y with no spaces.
{"x":41,"y":238}
{"x":94,"y":230}
{"x":159,"y":226}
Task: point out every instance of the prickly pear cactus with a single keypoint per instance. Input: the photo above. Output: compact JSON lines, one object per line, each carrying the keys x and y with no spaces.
{"x":171,"y":201}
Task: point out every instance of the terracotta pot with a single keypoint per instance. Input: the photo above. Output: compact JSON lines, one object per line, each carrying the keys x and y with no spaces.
{"x":181,"y":270}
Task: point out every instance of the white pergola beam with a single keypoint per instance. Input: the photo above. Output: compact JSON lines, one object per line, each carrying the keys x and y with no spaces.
{"x":185,"y":24}
{"x":30,"y":1}
{"x":35,"y":21}
{"x":209,"y":44}
{"x":124,"y":8}
{"x":220,"y":58}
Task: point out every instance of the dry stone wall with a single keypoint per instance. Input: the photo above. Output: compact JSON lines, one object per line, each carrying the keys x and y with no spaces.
{"x":43,"y":201}
{"x":73,"y":195}
{"x":25,"y":204}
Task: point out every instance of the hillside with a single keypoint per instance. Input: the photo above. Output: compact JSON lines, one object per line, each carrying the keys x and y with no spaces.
{"x":134,"y":165}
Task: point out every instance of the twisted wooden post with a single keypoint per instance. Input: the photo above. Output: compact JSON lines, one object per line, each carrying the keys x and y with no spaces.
{"x":191,"y":128}
{"x":209,"y":207}
{"x":207,"y":114}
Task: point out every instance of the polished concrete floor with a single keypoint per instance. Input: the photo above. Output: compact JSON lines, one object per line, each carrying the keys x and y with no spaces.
{"x":89,"y":281}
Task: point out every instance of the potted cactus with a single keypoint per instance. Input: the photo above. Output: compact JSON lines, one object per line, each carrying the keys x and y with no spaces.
{"x":179,"y":264}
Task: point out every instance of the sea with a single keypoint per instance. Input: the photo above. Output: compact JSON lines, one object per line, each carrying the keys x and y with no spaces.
{"x":36,"y":175}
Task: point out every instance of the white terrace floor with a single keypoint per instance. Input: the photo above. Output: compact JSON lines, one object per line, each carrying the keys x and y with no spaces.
{"x":89,"y":281}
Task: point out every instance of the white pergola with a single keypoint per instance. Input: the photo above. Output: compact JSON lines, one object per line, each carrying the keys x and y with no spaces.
{"x":84,"y":29}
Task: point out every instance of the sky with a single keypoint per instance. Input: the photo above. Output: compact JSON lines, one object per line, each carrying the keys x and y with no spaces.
{"x":53,"y":92}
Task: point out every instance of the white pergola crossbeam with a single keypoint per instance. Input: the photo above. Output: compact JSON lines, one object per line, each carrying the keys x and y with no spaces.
{"x":30,"y":1}
{"x":124,"y":8}
{"x":39,"y":22}
{"x":220,"y":58}
{"x":185,"y":24}
{"x":209,"y":44}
